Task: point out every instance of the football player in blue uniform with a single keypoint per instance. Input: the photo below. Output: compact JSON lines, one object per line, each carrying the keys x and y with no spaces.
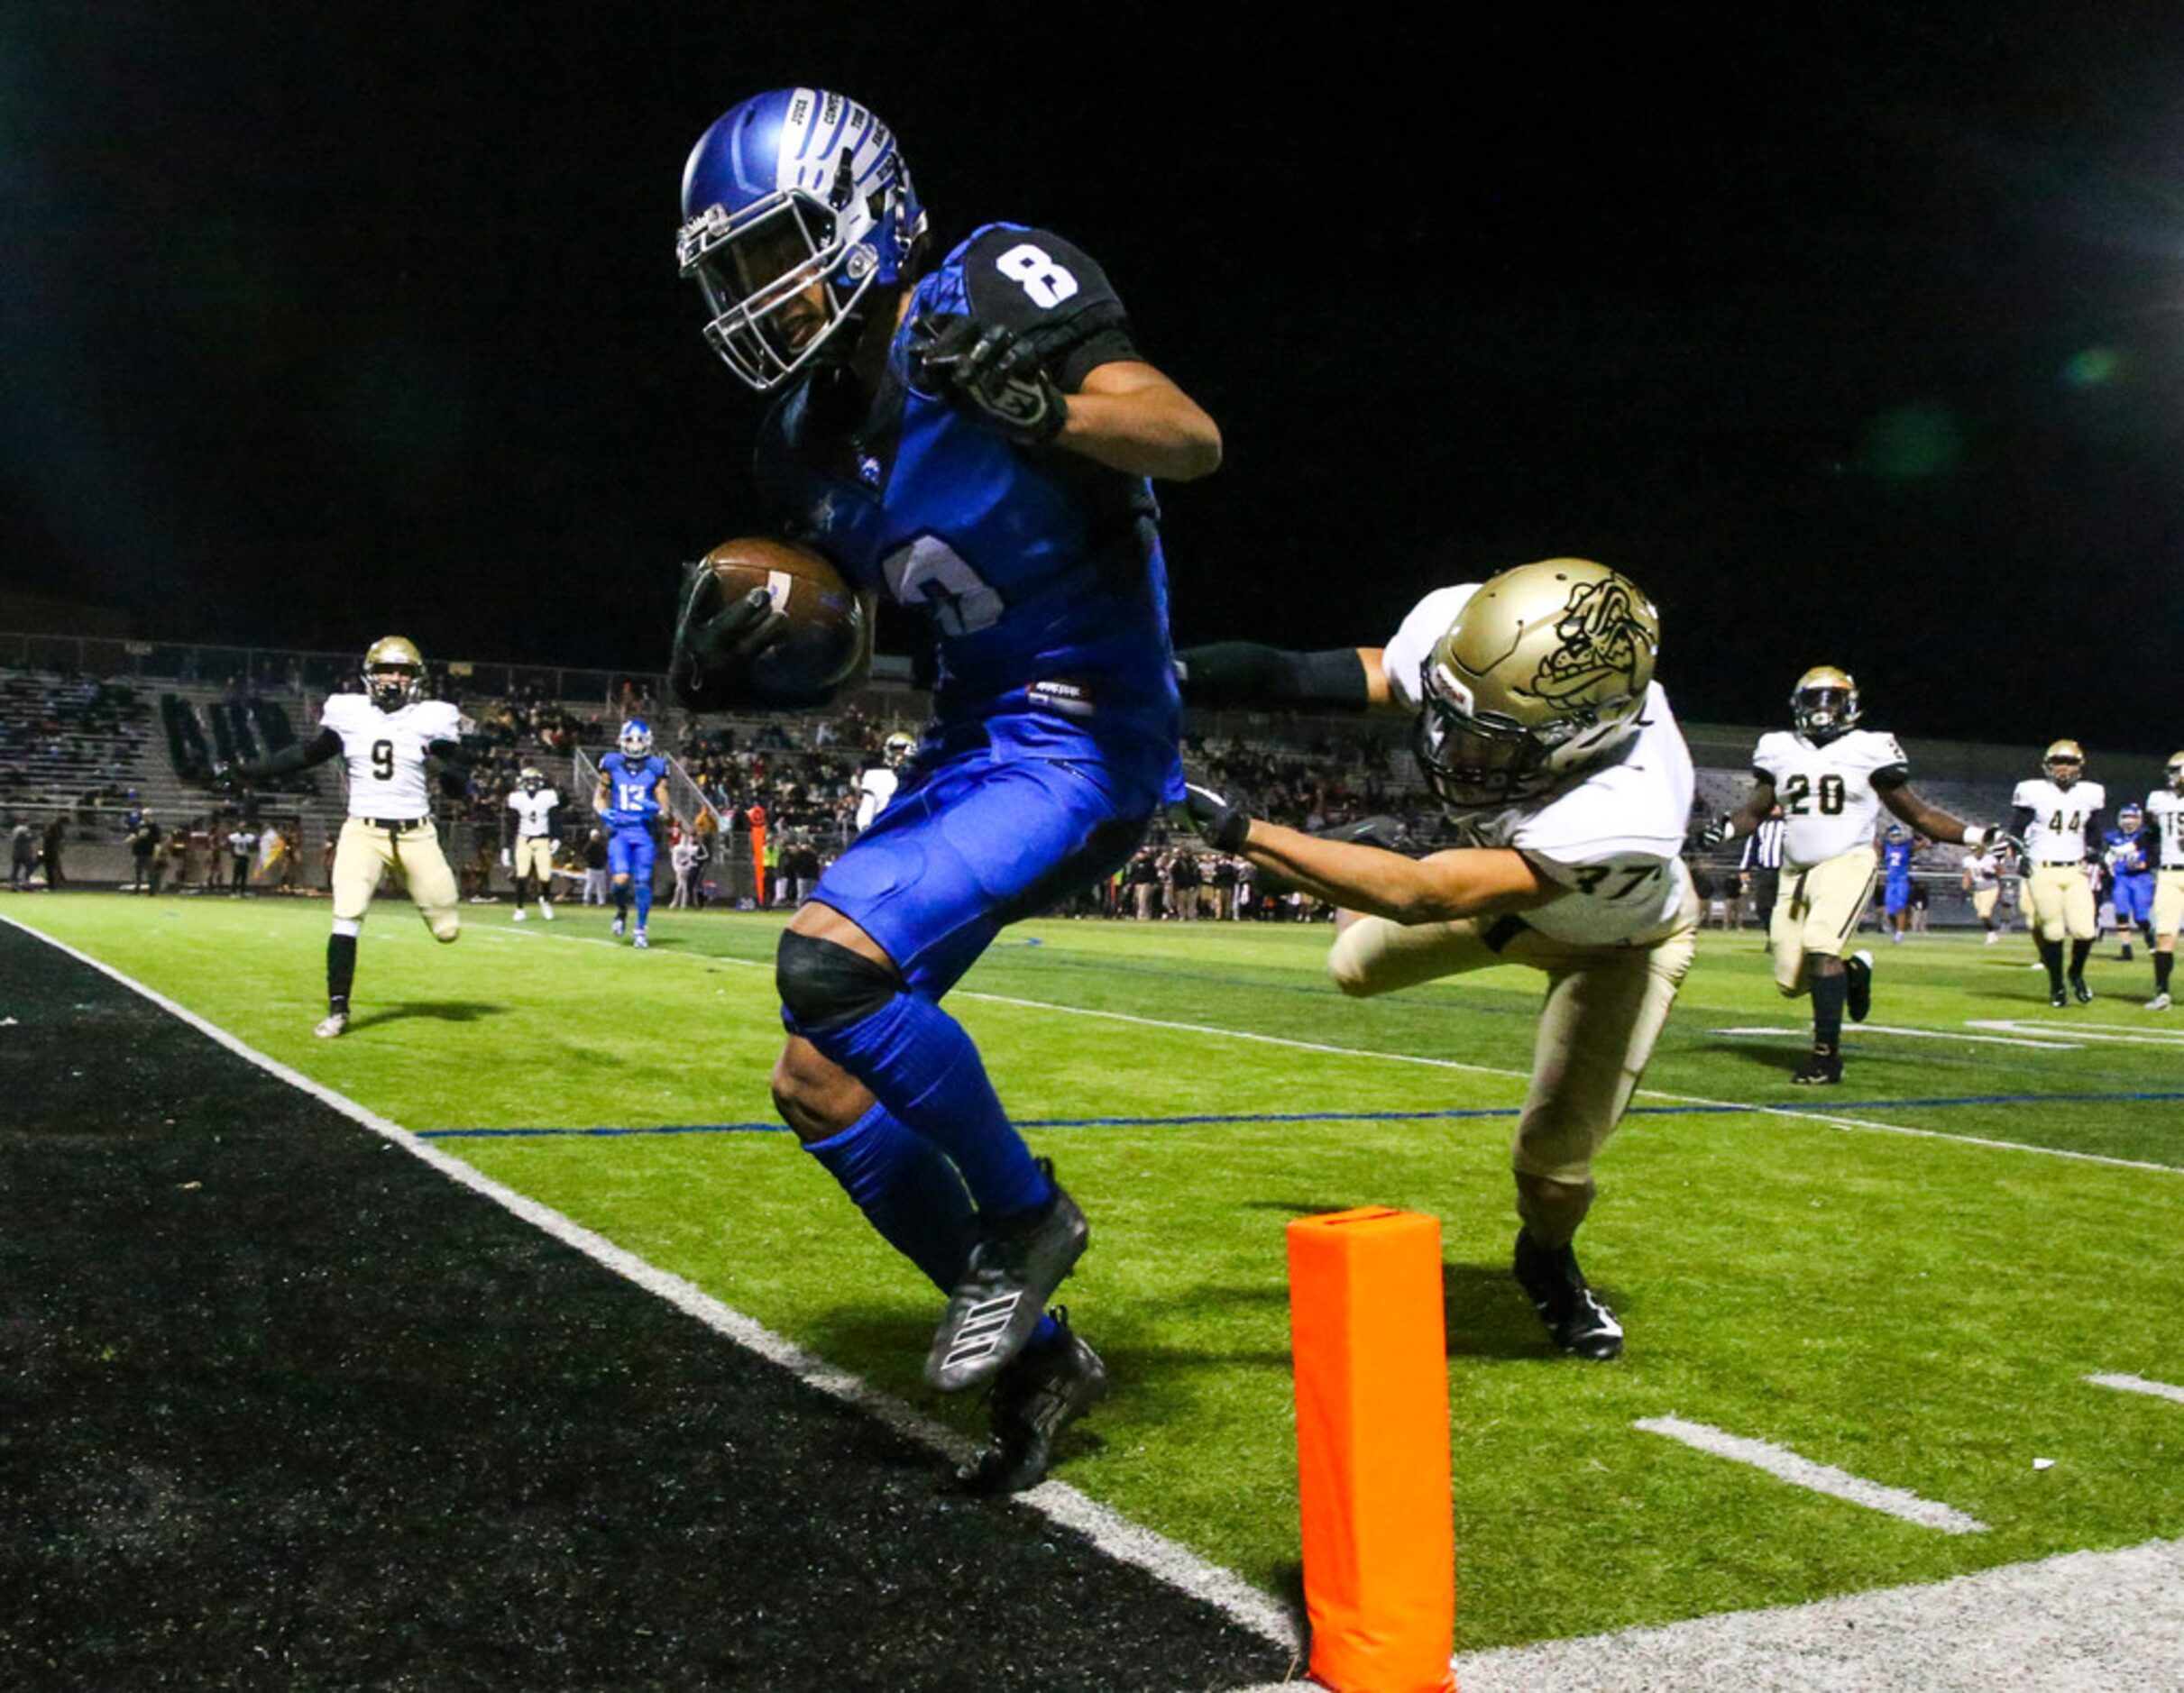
{"x":1897,"y":850}
{"x":632,"y":797}
{"x":973,"y":431}
{"x":2127,"y":854}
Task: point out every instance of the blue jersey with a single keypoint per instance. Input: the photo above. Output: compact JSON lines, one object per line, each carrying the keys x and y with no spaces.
{"x":1895,"y":859}
{"x":632,"y":801}
{"x":2127,"y":853}
{"x":1041,"y":573}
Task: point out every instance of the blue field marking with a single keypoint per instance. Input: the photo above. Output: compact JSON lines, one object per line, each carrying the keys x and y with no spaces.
{"x":1694,"y":1110}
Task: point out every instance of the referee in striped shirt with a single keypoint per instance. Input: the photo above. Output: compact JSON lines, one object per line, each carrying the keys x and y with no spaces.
{"x":1761,"y":865}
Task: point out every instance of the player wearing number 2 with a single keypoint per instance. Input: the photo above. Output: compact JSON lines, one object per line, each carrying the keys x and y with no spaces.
{"x":972,"y":434}
{"x":390,"y":736}
{"x":1832,"y":779}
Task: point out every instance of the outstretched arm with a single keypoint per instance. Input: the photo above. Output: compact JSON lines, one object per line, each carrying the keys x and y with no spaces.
{"x":1930,"y":820}
{"x":1249,"y":676}
{"x":289,"y":759}
{"x":1747,"y":817}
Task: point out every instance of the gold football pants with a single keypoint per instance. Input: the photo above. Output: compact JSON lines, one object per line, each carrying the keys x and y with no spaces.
{"x":1817,"y":912}
{"x":367,"y":851}
{"x":1605,"y":1007}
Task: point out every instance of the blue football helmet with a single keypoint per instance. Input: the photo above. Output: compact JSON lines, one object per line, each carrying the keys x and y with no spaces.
{"x":795,"y":204}
{"x":2131,"y":819}
{"x":636,"y":740}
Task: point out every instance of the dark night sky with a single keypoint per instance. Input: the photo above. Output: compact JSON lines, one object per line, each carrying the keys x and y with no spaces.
{"x":1852,"y":335}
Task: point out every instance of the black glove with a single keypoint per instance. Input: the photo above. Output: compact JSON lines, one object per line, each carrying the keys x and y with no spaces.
{"x":1217,"y":818}
{"x":1718,"y":833}
{"x":1389,"y":834}
{"x":715,"y":643}
{"x":993,"y":374}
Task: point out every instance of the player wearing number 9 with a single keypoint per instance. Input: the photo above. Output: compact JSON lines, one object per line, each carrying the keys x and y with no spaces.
{"x":1535,"y":717}
{"x":1832,"y":778}
{"x":971,"y":432}
{"x":391,"y":736}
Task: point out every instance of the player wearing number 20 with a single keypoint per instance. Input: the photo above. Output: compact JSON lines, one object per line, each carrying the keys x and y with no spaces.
{"x":972,"y":434}
{"x":1831,"y":779}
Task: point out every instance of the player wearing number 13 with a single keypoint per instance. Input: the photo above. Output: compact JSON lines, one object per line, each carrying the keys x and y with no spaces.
{"x":1832,"y":778}
{"x":973,"y":434}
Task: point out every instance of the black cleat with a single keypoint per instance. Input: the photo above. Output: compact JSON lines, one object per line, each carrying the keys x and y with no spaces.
{"x":2056,"y":997}
{"x":1822,"y":1068}
{"x":1037,"y":1394}
{"x":1014,"y":1271}
{"x":2079,"y":991}
{"x":1858,"y":981}
{"x":1577,"y":1323}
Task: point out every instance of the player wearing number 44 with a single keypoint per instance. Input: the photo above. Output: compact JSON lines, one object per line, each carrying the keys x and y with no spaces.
{"x":1832,"y":779}
{"x":390,"y":736}
{"x":972,"y":433}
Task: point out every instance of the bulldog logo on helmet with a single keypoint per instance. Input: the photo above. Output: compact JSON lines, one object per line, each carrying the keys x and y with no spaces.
{"x":1602,"y":635}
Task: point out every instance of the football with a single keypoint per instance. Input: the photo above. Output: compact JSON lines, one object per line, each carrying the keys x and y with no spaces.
{"x":826,"y":628}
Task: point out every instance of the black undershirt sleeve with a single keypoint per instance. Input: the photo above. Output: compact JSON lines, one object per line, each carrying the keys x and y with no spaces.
{"x":1243,"y":673}
{"x":289,"y":759}
{"x":2021,"y":820}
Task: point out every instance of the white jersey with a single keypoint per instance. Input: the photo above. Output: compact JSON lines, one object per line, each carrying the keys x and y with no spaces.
{"x":2057,"y":833}
{"x":1828,"y":802}
{"x":875,"y":787}
{"x":1982,"y":870}
{"x":1610,"y":836}
{"x":534,"y":812}
{"x":2165,"y":812}
{"x":386,"y":751}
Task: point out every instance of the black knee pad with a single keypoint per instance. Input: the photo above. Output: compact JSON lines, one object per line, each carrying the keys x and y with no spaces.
{"x":825,"y":986}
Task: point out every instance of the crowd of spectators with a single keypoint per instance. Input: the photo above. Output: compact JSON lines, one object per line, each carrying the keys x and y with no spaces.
{"x":68,"y":740}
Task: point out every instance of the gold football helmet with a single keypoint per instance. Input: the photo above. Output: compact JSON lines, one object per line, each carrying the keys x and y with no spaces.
{"x":2174,"y":770}
{"x":1544,"y":672}
{"x":394,"y":671}
{"x":531,"y":778}
{"x":2064,"y":762}
{"x":897,"y":748}
{"x":1824,"y":703}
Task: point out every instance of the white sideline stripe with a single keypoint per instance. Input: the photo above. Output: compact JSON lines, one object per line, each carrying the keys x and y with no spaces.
{"x":1120,"y":1538}
{"x":1918,"y":1034}
{"x":2109,"y":1033}
{"x":2091,"y":1621}
{"x":1866,"y":1124}
{"x":1785,"y":1465}
{"x":2139,"y":1383}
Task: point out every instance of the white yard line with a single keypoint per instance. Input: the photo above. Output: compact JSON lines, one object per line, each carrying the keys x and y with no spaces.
{"x":1916,"y":1034}
{"x":1785,"y":1465}
{"x":2108,"y":1033}
{"x":1120,"y":1538}
{"x":2139,"y":1383}
{"x":1865,"y":1124}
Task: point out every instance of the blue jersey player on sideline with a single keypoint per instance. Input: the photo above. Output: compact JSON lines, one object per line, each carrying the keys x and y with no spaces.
{"x":1896,"y":849}
{"x":632,"y":796}
{"x":2127,"y":852}
{"x":973,"y":433}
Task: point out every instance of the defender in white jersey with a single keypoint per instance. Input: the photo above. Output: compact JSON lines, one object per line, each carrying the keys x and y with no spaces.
{"x":1831,"y":778}
{"x":876,"y":786}
{"x":526,"y":841}
{"x":2059,"y":818}
{"x":2165,"y":822}
{"x":1538,"y":723}
{"x":388,"y":735}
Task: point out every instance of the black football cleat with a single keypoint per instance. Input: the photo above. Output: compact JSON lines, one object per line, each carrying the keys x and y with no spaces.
{"x":1576,"y":1321}
{"x":2056,"y":997}
{"x":1038,"y":1394}
{"x":1858,"y":981}
{"x":1822,"y":1068}
{"x":1013,"y":1270}
{"x":2079,"y":991}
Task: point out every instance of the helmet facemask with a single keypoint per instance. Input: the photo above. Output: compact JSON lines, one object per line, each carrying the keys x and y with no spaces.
{"x":391,"y":687}
{"x":1824,"y":711}
{"x":1473,"y":760}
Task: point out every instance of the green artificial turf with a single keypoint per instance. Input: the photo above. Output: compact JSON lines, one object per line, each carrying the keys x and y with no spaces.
{"x":1918,"y":1308}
